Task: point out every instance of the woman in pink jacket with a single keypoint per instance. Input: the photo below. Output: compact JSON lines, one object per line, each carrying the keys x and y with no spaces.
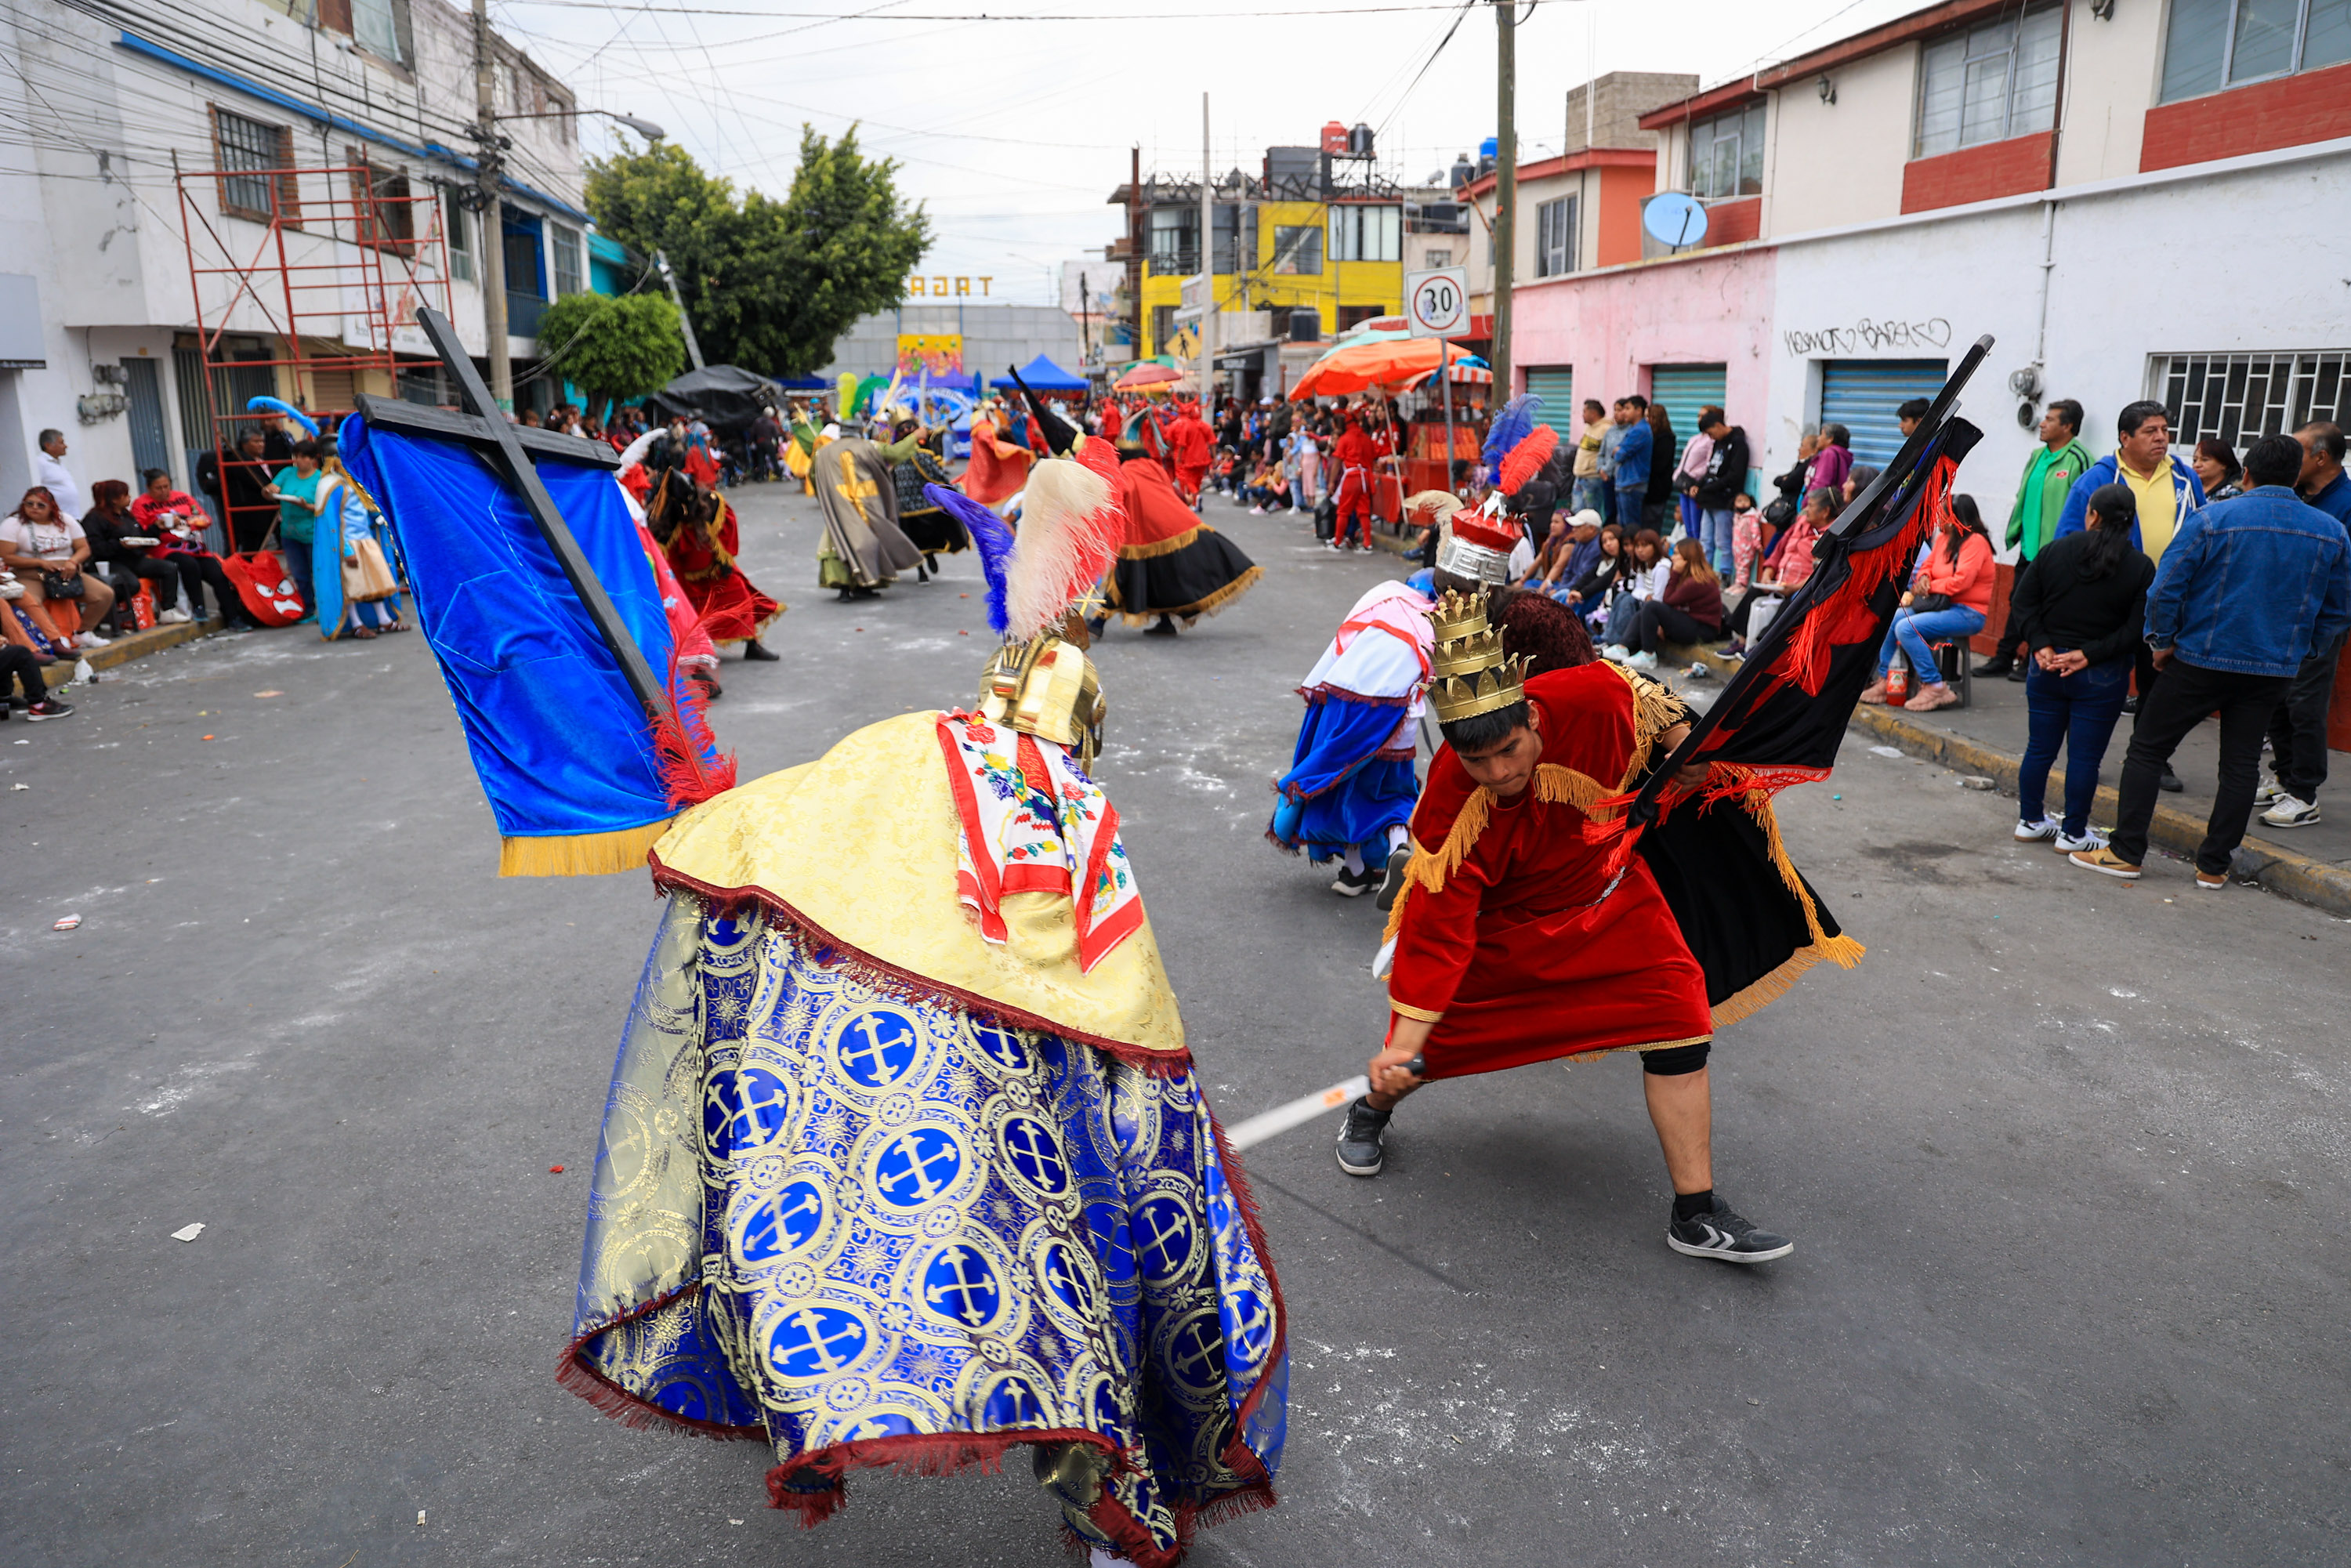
{"x":1947,"y":600}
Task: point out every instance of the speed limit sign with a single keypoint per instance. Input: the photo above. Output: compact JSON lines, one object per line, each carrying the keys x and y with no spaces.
{"x":1437,"y":303}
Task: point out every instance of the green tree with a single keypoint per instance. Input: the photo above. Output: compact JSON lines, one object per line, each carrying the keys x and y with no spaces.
{"x":610,"y":348}
{"x":771,"y":285}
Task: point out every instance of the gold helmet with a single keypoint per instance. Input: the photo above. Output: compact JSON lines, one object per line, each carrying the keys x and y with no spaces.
{"x":1468,"y":672}
{"x":1047,"y":687}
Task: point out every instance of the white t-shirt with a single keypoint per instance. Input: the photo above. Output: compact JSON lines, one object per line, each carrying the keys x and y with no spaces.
{"x":52,"y":540}
{"x":1522,"y":559}
{"x":60,"y":484}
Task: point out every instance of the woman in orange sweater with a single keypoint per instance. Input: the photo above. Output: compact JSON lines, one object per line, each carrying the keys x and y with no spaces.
{"x":1947,"y":600}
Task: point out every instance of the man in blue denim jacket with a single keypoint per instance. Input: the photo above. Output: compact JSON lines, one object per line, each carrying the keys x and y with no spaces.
{"x":2246,"y":589}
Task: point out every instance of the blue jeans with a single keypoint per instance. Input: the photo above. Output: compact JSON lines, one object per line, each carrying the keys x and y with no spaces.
{"x":295,"y":553}
{"x":1714,"y":533}
{"x":1913,"y":632}
{"x":1690,"y":513}
{"x":1629,"y":499}
{"x":1622,"y":616}
{"x":1592,"y":494}
{"x":2077,"y":712}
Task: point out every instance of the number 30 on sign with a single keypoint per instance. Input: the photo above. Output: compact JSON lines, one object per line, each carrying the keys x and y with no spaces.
{"x":1436,"y":302}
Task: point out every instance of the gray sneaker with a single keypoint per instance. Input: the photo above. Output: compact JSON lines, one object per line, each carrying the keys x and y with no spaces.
{"x":1359,"y":1140}
{"x":1727,"y":1235}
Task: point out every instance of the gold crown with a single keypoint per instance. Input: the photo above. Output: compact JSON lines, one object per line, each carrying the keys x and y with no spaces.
{"x":1469,"y":672}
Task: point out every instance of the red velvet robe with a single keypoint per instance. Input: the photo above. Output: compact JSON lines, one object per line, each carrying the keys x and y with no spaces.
{"x":998,"y":468}
{"x":1508,"y":934}
{"x":730,"y":608}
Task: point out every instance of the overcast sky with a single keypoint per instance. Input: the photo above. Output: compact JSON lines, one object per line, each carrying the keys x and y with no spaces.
{"x":1012,"y":133}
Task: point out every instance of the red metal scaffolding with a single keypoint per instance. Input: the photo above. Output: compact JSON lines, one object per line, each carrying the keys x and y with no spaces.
{"x":327,"y":266}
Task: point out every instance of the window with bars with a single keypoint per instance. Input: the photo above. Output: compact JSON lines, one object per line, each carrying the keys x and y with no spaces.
{"x":1990,"y":83}
{"x":1555,"y":237}
{"x":1726,"y":155}
{"x":256,"y":161}
{"x":1366,"y":232}
{"x":565,"y":246}
{"x":2236,"y":397}
{"x":1175,"y":239}
{"x":2213,"y":44}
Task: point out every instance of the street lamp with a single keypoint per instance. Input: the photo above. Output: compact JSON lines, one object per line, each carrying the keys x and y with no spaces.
{"x":644,"y":128}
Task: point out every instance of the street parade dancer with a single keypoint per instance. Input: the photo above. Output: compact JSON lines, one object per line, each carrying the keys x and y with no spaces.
{"x":1356,"y":457}
{"x":861,"y":550}
{"x":929,"y":527}
{"x":1351,"y":787}
{"x":998,"y":465}
{"x":1171,"y":566}
{"x":695,"y":528}
{"x":1191,"y":446}
{"x":904,"y":1160}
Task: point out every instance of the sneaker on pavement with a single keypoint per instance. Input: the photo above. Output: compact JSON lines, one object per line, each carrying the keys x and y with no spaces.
{"x":2091,"y":839}
{"x":2290,"y":811}
{"x":1354,"y":884}
{"x":175,"y":616}
{"x":1875,"y":693}
{"x":2032,"y":832}
{"x":1616,"y":653}
{"x":48,"y":707}
{"x":2170,"y":783}
{"x":2106,"y":862}
{"x":1392,"y":881}
{"x":91,"y":640}
{"x":1359,"y":1141}
{"x":1726,"y":1235}
{"x":1644,"y":660}
{"x":2207,"y":882}
{"x":2269,"y":793}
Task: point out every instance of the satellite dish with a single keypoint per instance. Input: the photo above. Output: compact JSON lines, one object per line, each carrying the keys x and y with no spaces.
{"x":1674,"y":219}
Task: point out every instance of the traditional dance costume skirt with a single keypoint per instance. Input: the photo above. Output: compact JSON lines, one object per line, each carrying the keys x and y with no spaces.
{"x":1350,"y":779}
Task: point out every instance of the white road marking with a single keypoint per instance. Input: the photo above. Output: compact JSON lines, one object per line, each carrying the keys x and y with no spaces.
{"x":1299,"y":1111}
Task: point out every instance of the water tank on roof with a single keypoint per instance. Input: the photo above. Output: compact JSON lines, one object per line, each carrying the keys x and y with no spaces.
{"x":1334,"y":137}
{"x":1305,"y":325}
{"x":1359,"y":141}
{"x":1464,"y":171}
{"x":1491,"y":147}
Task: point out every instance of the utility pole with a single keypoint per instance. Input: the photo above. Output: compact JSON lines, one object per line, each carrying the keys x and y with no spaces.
{"x":1506,"y":185}
{"x":684,"y":321}
{"x":1207,"y":268}
{"x":486,"y":166}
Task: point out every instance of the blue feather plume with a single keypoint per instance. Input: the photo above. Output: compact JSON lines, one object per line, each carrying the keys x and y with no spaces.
{"x":990,"y":537}
{"x":278,"y":406}
{"x":1510,"y":426}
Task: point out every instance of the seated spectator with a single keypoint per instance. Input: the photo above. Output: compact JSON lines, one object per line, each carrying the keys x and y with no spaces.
{"x":1591,"y":594}
{"x":1690,"y":610}
{"x":1947,"y":603}
{"x":2244,"y":590}
{"x":1646,"y":581}
{"x":2080,"y":606}
{"x":1789,"y":565}
{"x":240,"y":485}
{"x":50,"y":556}
{"x":1574,"y":546}
{"x":2218,"y":469}
{"x":1859,"y":477}
{"x":1831,"y":460}
{"x":112,"y":529}
{"x":178,"y":525}
{"x":20,"y":669}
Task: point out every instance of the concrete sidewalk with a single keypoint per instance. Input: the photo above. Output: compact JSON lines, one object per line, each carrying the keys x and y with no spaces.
{"x":1986,"y":737}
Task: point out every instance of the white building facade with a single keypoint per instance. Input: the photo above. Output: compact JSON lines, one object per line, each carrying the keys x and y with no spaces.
{"x":103,"y":262}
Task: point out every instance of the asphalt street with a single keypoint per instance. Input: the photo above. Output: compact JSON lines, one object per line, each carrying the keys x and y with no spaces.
{"x":2066,"y":1161}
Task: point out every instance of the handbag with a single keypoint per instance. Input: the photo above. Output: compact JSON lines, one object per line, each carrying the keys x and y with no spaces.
{"x":1781,"y":512}
{"x":369,"y":578}
{"x":60,"y":584}
{"x":1929,"y":603}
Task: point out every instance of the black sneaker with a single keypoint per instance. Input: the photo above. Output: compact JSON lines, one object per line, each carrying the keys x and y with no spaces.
{"x":1354,"y":885}
{"x":1722,"y":1234}
{"x":2170,"y":783}
{"x":759,"y":653}
{"x":1359,"y":1140}
{"x":48,"y":707}
{"x":1392,"y":883}
{"x":1993,"y":669}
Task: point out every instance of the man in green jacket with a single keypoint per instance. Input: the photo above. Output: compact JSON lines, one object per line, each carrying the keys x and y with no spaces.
{"x":2049,"y":475}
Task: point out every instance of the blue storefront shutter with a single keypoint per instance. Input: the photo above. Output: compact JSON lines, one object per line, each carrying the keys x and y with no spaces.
{"x":1861,"y":395}
{"x":1556,"y":385}
{"x":1685,"y":389}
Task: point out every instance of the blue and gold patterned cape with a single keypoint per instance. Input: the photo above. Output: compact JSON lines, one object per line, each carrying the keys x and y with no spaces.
{"x":876,"y":1191}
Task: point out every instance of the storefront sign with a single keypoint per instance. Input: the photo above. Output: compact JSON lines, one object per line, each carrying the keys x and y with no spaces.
{"x":940,"y":285}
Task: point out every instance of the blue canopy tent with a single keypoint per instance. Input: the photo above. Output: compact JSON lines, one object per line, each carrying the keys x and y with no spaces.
{"x":1044,"y":376}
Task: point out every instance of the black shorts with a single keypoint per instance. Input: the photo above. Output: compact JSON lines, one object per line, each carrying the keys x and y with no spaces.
{"x":1674,"y":1061}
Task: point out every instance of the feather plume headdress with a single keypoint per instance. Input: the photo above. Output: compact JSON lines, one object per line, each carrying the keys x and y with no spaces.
{"x":1071,"y":523}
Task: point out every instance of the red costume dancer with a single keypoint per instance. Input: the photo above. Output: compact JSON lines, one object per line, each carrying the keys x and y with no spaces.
{"x":1356,"y":455}
{"x":1194,"y":447}
{"x":1535,"y":924}
{"x":696,"y":531}
{"x":999,"y":468}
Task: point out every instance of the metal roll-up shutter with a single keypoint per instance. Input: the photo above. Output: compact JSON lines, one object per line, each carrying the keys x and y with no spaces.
{"x":1861,"y":395}
{"x":1556,"y":385}
{"x":1685,"y":389}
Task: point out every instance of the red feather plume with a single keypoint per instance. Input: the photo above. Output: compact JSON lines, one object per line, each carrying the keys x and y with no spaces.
{"x":1526,"y":458}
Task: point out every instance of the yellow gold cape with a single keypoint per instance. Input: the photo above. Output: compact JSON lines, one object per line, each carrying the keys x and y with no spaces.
{"x":860,"y":847}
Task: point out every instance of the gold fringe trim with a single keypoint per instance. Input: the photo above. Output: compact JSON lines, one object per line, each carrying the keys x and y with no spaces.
{"x":580,"y":855}
{"x":1193,"y":611}
{"x":1570,"y":1062}
{"x":1421,"y":1015}
{"x":1655,"y":709}
{"x":1553,"y":784}
{"x":1560,"y":786}
{"x":1164,"y":546}
{"x":762,"y":626}
{"x":1746,"y":1004}
{"x":1844,"y":952}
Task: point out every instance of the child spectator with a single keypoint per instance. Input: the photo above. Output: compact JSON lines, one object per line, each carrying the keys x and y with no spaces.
{"x":1746,"y":538}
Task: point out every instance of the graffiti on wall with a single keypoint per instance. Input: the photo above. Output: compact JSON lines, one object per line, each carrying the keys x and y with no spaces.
{"x":1867,"y":336}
